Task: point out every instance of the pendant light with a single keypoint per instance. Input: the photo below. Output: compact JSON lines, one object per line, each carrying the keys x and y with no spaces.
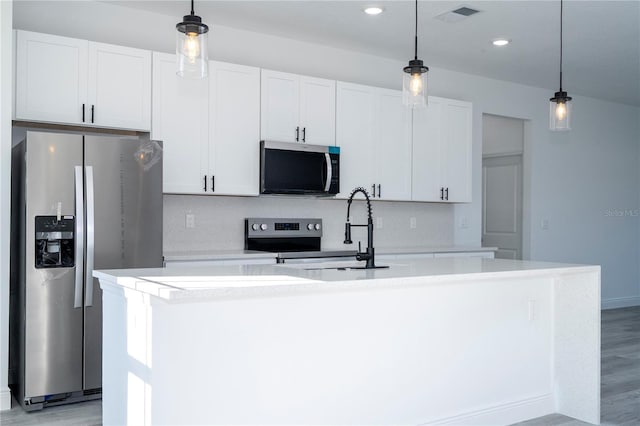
{"x":414,"y":82}
{"x":191,"y":47}
{"x":560,"y":105}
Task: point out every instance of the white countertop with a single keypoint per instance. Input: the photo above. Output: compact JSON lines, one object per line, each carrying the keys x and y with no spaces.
{"x":241,"y":281}
{"x":202,"y":255}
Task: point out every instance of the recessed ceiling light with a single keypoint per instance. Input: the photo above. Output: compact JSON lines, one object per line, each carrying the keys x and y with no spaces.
{"x":501,"y":42}
{"x":374,"y":10}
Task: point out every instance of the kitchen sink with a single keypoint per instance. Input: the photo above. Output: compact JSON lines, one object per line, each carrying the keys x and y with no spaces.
{"x":344,"y":268}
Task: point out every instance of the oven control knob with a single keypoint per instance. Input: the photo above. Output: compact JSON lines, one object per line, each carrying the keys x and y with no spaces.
{"x":317,"y":226}
{"x":310,"y":226}
{"x":263,"y":227}
{"x":255,"y":226}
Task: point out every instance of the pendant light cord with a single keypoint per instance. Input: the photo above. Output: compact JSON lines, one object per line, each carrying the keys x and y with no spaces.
{"x":416,"y":38}
{"x":192,"y":12}
{"x":561,"y":7}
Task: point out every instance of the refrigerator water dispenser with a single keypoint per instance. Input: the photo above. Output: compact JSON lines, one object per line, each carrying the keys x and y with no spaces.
{"x":55,"y":242}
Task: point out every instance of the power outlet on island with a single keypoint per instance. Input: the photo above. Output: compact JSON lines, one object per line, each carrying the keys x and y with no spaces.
{"x":190,"y":220}
{"x":412,"y":223}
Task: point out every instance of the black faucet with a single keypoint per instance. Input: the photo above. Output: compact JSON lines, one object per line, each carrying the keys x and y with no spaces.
{"x":369,"y":255}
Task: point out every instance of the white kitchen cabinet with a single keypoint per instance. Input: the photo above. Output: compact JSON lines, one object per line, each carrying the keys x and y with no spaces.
{"x":181,"y":121}
{"x":392,"y":147}
{"x":51,"y":78}
{"x":442,"y":144}
{"x":210,"y":128}
{"x":119,"y":86}
{"x":355,"y":122}
{"x":234,"y":117}
{"x":373,"y":130}
{"x":297,"y":108}
{"x":73,"y":81}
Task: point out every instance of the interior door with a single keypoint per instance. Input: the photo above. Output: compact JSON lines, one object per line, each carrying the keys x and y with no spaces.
{"x":53,"y":319}
{"x":124,"y":208}
{"x":502,"y":205}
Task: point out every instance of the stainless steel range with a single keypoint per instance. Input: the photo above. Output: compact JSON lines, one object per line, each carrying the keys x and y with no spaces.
{"x":291,"y":238}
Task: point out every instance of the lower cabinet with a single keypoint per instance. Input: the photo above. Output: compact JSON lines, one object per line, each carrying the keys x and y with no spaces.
{"x":210,"y":128}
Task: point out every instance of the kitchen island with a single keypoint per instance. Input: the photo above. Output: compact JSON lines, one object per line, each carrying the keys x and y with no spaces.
{"x":425,"y":341}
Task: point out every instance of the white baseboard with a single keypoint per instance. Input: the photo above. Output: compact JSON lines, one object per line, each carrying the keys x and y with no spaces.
{"x":503,"y":414}
{"x":620,"y":302}
{"x":5,"y":399}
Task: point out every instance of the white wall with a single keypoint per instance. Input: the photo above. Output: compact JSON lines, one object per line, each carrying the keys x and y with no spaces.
{"x":6,"y":37}
{"x":576,"y":177}
{"x":502,"y":135}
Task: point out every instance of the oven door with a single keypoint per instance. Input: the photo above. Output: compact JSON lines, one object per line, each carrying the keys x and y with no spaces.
{"x":287,"y":168}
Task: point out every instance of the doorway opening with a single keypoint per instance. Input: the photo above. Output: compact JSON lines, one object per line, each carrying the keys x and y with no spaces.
{"x":503,"y":161}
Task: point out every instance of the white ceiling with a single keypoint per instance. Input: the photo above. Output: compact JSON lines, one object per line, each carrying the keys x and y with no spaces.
{"x":601,"y":38}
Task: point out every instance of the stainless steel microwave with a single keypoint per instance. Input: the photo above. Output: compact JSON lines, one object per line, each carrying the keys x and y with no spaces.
{"x":299,"y":168}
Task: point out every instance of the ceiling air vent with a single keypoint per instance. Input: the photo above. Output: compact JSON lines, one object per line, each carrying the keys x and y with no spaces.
{"x":457,"y":15}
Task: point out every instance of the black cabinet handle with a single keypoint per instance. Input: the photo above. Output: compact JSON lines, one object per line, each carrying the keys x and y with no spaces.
{"x":442,"y":193}
{"x":213,"y":184}
{"x":92,"y":112}
{"x":373,"y":189}
{"x":379,"y":191}
{"x":83,"y":113}
{"x":446,"y":194}
{"x":205,"y":183}
{"x":304,"y":134}
{"x":297,"y":134}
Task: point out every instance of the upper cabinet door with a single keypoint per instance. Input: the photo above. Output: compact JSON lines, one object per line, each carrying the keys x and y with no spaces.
{"x":51,"y":78}
{"x":354,"y":135}
{"x":120,"y":86}
{"x":456,"y":151}
{"x":279,"y":108}
{"x":392,"y":147}
{"x":317,"y":111}
{"x":426,"y":161}
{"x":181,"y":121}
{"x":234,"y":101}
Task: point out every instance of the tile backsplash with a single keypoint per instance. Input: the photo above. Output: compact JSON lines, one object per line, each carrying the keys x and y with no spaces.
{"x":219,"y":221}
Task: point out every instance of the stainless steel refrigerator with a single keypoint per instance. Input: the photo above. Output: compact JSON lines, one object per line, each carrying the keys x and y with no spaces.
{"x":79,"y":202}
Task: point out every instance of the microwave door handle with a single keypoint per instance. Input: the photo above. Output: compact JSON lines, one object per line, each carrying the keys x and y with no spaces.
{"x":327,"y":184}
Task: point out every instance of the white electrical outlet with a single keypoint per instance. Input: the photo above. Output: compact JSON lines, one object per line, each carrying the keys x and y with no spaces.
{"x":412,"y":223}
{"x":463,"y":222}
{"x":190,"y":220}
{"x":378,"y":222}
{"x":532,"y":310}
{"x":544,"y":224}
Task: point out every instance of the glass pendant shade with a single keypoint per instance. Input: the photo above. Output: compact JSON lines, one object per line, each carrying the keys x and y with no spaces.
{"x":191,"y":47}
{"x":560,"y":108}
{"x":414,"y":84}
{"x":414,"y":80}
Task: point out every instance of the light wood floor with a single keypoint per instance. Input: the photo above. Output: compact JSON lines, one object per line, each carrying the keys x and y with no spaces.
{"x":620,"y":391}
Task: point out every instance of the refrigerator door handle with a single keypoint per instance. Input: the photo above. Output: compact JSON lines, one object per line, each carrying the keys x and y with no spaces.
{"x":79,"y":190}
{"x":88,"y":301}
